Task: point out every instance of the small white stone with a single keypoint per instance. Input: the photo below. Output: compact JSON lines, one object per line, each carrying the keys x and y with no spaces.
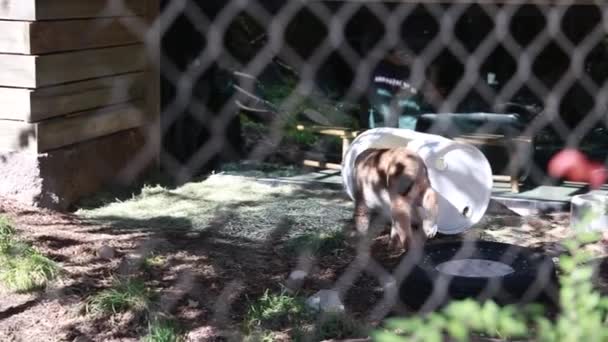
{"x":298,"y":275}
{"x":326,"y":301}
{"x":205,"y":333}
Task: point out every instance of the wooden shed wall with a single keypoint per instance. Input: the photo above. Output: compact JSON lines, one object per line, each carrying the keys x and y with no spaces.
{"x":73,"y":71}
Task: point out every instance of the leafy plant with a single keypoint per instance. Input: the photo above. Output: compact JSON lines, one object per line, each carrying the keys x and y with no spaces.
{"x":153,"y":261}
{"x":583,"y":315}
{"x":276,"y":311}
{"x":337,"y":326}
{"x":125,"y":294}
{"x":7,"y":232}
{"x":22,"y":268}
{"x":27,"y":271}
{"x":6,"y":227}
{"x":584,"y":312}
{"x":163,"y":330}
{"x":317,"y":243}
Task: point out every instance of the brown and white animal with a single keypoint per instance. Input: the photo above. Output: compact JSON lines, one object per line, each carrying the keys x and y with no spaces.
{"x":394,"y":183}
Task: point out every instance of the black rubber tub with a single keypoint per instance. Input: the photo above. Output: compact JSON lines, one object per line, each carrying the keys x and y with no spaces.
{"x":505,"y":273}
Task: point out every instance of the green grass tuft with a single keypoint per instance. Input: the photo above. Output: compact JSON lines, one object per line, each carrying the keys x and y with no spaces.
{"x":338,"y":326}
{"x":125,"y":294}
{"x":7,"y":233}
{"x":320,"y":244}
{"x":22,"y":268}
{"x":162,"y":330}
{"x":7,"y":228}
{"x":27,"y":271}
{"x":276,"y":311}
{"x":153,"y":261}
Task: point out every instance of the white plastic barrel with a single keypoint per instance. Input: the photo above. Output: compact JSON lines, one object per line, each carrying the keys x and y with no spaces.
{"x":459,"y":173}
{"x":588,"y":212}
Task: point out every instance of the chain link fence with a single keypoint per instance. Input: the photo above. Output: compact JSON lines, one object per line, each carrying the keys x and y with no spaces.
{"x":246,"y":87}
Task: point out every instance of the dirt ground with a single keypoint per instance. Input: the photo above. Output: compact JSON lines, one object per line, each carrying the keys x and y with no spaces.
{"x":208,"y":276}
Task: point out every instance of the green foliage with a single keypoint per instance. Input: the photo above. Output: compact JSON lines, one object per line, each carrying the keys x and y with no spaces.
{"x":291,"y":102}
{"x":583,"y":315}
{"x":125,"y":294}
{"x":458,"y":320}
{"x":305,"y":138}
{"x":325,"y":243}
{"x":276,"y":311}
{"x":163,"y":330}
{"x":584,"y":312}
{"x":28,"y":270}
{"x":22,"y":268}
{"x":7,"y":233}
{"x":7,"y":230}
{"x":337,"y":326}
{"x":153,"y":261}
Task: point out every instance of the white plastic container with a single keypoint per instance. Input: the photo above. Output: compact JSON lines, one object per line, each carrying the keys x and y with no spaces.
{"x":592,"y":204}
{"x":459,"y":172}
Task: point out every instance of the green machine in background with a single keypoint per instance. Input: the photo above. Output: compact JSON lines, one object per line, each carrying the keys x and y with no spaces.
{"x":384,"y":105}
{"x":393,"y":100}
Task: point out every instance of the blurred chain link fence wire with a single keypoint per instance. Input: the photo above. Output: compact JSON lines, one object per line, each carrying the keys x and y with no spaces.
{"x":227,"y":64}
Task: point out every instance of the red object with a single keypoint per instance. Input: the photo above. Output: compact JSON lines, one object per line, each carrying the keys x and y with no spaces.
{"x":573,"y":165}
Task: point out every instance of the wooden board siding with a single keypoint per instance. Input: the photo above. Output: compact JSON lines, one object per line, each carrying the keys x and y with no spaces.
{"x":496,"y":2}
{"x":33,"y":105}
{"x":32,"y":10}
{"x":26,"y":71}
{"x":42,"y":37}
{"x":67,"y":130}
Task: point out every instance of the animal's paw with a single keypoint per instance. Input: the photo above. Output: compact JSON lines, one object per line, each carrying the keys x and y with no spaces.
{"x":394,"y":244}
{"x":430,"y":230}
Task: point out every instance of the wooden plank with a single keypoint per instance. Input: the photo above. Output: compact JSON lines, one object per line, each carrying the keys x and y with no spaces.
{"x":321,"y":164}
{"x":81,"y":65}
{"x":334,"y":131}
{"x":33,"y":105}
{"x":81,"y":96}
{"x":45,"y":70}
{"x":83,"y":126}
{"x":18,"y":71}
{"x":495,"y":2}
{"x":41,"y":37}
{"x":18,"y":9}
{"x":15,"y":104}
{"x":52,"y":134}
{"x":32,"y":10}
{"x":55,"y":36}
{"x":493,"y":140}
{"x":15,"y":37}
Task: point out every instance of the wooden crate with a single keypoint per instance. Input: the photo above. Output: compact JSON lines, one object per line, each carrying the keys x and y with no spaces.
{"x":34,"y":10}
{"x":35,"y":71}
{"x":66,"y":130}
{"x":33,"y":105}
{"x":43,"y":37}
{"x":75,"y":76}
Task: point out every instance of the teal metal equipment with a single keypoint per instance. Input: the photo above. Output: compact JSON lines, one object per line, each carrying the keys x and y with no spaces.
{"x":384,"y":106}
{"x":394,"y":102}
